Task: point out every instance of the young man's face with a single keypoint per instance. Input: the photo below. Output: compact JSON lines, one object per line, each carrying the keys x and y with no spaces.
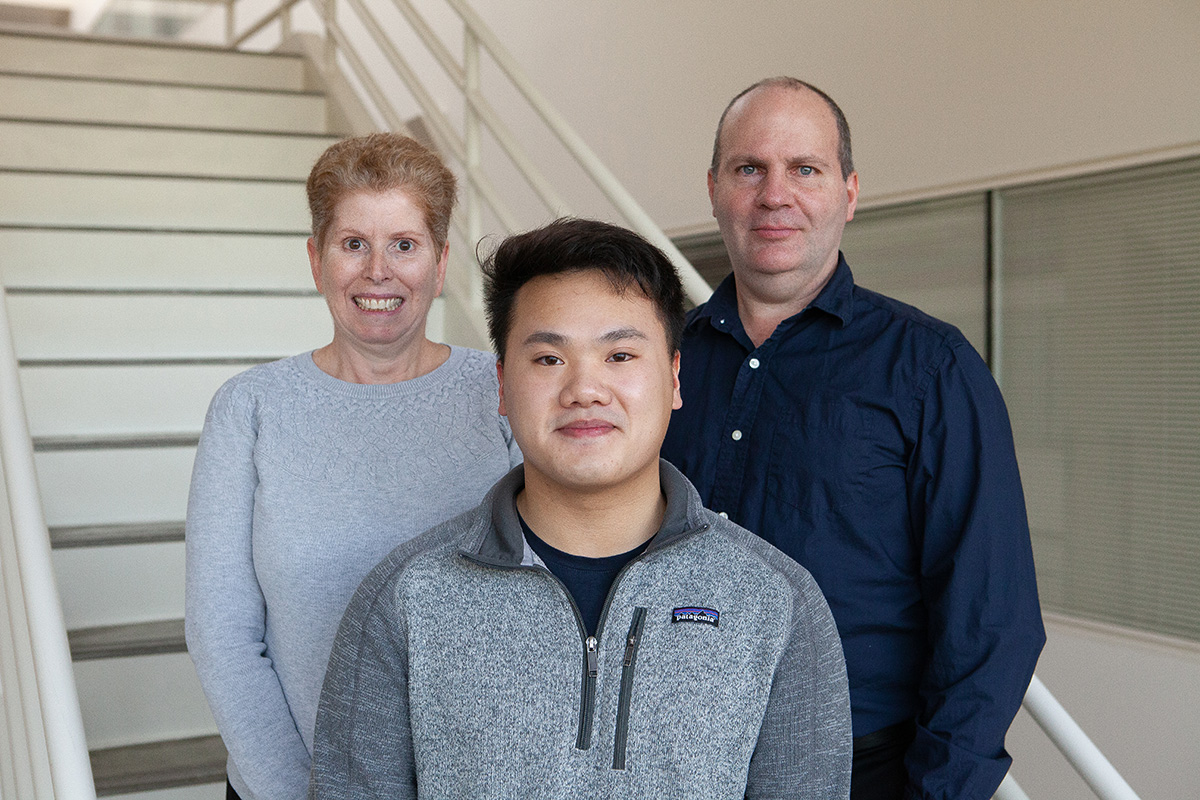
{"x":587,"y":383}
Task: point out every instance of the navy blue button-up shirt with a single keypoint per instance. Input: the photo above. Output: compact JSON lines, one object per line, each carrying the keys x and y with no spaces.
{"x":870,"y":443}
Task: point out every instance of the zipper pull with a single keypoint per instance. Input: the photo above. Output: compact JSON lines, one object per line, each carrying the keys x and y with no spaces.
{"x":630,"y":644}
{"x":593,"y":667}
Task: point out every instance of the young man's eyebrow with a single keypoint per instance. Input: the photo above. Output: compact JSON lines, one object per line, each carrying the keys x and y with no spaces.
{"x":620,"y":334}
{"x":558,"y":340}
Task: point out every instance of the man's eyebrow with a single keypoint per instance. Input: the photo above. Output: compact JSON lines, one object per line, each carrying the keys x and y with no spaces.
{"x":546,"y":337}
{"x":555,"y":339}
{"x":620,"y":334}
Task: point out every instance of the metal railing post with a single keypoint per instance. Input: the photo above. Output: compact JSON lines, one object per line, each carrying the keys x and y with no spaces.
{"x":330,"y":18}
{"x":472,"y":144}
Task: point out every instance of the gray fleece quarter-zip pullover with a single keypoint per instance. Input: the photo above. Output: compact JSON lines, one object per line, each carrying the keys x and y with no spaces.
{"x":462,"y":670}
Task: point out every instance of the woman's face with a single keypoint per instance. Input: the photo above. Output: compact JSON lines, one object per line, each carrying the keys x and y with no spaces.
{"x":379,"y":271}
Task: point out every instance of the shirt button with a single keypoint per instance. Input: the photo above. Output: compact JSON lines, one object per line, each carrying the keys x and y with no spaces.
{"x":737,"y":436}
{"x":722,"y":515}
{"x":754,"y":363}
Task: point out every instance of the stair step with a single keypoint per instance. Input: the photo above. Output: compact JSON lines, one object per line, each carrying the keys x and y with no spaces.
{"x":66,"y":536}
{"x":158,"y":765}
{"x":133,"y":150}
{"x":120,"y":441}
{"x":121,"y":641}
{"x":149,"y":361}
{"x":86,"y":99}
{"x":154,"y":260}
{"x":194,"y":65}
{"x":77,"y":201}
{"x":176,"y":326}
{"x":82,"y":487}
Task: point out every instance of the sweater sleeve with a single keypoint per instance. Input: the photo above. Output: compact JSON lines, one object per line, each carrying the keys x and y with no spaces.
{"x":804,"y":746}
{"x":225,"y":614}
{"x":362,"y":746}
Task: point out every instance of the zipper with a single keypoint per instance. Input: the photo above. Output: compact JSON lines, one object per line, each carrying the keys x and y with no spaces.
{"x":587,"y":707}
{"x":627,"y":665}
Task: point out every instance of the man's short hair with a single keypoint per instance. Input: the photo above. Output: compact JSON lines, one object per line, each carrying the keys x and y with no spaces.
{"x":576,"y":245}
{"x":845,"y":156}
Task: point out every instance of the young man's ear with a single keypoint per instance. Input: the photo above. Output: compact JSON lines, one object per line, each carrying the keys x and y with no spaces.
{"x":500,"y":378}
{"x":677,"y":400}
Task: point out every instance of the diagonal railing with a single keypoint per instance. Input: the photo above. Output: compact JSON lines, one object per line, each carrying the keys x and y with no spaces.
{"x":44,"y":754}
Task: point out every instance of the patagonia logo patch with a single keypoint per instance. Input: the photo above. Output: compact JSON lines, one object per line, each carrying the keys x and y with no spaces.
{"x":708,"y":616}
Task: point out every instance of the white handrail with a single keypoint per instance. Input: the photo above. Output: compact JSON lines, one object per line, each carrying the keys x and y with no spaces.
{"x":53,"y":679}
{"x":1080,"y":751}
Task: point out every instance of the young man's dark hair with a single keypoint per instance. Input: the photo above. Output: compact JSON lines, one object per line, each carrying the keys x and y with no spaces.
{"x":569,"y":245}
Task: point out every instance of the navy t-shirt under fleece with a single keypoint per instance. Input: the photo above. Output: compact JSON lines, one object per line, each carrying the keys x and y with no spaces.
{"x":587,"y":579}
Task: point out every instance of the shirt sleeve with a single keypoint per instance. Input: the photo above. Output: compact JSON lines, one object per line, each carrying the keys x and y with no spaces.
{"x":804,"y":746}
{"x":225,"y":617}
{"x":362,"y":747}
{"x":977,"y":580}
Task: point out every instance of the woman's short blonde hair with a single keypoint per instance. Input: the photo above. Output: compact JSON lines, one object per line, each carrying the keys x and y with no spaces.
{"x":381,"y":162}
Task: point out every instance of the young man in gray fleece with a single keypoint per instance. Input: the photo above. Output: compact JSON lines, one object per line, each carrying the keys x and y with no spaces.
{"x":590,"y":630}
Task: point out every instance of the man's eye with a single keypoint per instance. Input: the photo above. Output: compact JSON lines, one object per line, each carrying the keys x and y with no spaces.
{"x":548,"y":361}
{"x":621,"y":357}
{"x":746,"y":169}
{"x":404,"y":245}
{"x":806,"y":170}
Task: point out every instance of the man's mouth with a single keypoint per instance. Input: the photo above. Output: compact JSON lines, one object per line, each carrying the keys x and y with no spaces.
{"x":587,"y":427}
{"x":378,"y":303}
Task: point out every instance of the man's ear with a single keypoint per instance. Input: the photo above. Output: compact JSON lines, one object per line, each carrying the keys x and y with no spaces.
{"x":712,"y":187}
{"x":677,"y":400}
{"x":500,"y":378}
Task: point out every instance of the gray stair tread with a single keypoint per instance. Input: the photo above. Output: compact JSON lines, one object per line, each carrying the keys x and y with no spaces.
{"x":137,"y":639}
{"x":126,"y":441}
{"x":158,"y":765}
{"x":64,"y":536}
{"x":148,"y":362}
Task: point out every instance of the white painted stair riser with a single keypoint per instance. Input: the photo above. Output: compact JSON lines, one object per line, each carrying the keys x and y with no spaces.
{"x":198,"y":66}
{"x":89,"y":99}
{"x":74,"y":147}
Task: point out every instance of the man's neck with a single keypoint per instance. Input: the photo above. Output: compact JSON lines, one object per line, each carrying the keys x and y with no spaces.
{"x":593,"y":524}
{"x":764,"y":301}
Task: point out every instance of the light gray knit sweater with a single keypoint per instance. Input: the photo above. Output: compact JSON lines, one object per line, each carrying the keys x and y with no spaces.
{"x":302,"y":483}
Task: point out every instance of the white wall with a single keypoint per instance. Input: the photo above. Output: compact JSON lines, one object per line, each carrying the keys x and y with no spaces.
{"x":1137,"y":696}
{"x":937,"y":93}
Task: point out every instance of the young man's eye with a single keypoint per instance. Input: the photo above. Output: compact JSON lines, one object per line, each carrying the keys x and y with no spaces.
{"x":621,"y":357}
{"x":548,"y":361}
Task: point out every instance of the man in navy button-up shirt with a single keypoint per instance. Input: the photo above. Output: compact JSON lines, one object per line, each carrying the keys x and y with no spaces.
{"x":869,"y":442}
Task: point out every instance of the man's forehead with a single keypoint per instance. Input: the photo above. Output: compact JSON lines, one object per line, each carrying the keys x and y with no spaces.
{"x":787,"y":110}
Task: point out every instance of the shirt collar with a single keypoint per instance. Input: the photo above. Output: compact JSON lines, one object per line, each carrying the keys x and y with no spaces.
{"x":504,"y":543}
{"x":836,"y":299}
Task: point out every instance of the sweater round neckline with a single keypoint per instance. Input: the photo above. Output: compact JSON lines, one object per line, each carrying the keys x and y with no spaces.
{"x":308,"y":367}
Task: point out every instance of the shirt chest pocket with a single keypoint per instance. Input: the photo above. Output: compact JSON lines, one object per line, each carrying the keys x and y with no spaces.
{"x":820,"y":457}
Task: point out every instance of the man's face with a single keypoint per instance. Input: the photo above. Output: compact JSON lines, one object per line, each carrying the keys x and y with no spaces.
{"x":587,"y":383}
{"x":778,"y":192}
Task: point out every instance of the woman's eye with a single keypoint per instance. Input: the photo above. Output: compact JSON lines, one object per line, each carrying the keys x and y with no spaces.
{"x":806,"y":170}
{"x":355,"y":244}
{"x":404,"y":245}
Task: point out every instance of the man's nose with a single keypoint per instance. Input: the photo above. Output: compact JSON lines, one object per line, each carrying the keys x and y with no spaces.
{"x":585,"y":386}
{"x":774,"y":190}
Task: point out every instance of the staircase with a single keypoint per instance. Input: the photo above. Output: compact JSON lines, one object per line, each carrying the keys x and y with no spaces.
{"x":152,"y":228}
